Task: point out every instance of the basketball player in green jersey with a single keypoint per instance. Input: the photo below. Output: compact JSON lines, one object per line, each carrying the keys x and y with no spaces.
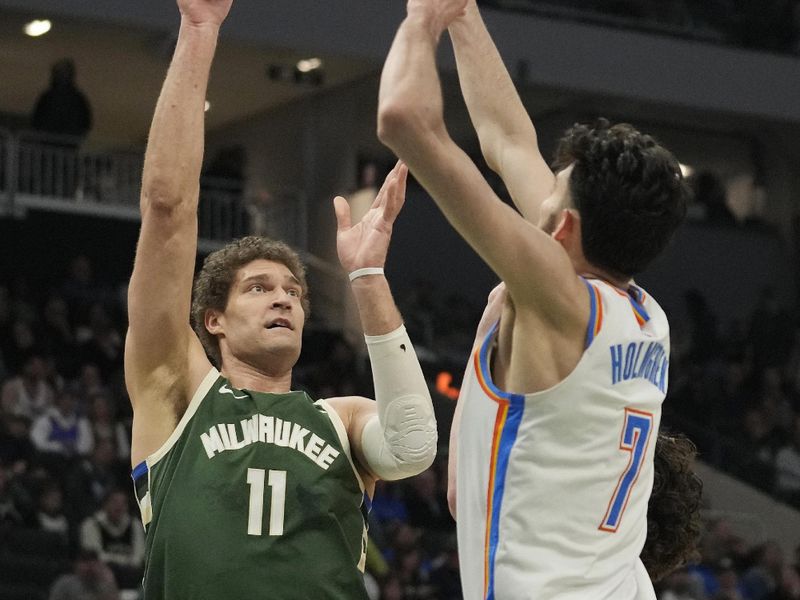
{"x":247,"y":489}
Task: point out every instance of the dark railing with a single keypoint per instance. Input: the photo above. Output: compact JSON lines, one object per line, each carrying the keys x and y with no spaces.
{"x":47,"y":172}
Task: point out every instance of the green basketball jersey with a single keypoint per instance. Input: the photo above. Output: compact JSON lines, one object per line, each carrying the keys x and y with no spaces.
{"x":253,"y":496}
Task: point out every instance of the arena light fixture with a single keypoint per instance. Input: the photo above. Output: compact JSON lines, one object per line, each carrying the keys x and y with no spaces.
{"x":309,"y":64}
{"x":37,"y":27}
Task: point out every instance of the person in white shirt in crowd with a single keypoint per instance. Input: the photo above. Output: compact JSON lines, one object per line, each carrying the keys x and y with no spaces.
{"x":61,"y":430}
{"x":91,"y":580}
{"x":117,"y":538}
{"x":787,"y":469}
{"x":50,"y":515}
{"x":28,"y":394}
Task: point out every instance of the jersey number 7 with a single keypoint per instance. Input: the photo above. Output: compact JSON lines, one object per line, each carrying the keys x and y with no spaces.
{"x":634,"y":439}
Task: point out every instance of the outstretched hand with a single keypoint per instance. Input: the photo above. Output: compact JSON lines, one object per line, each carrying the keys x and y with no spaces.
{"x":366,"y":243}
{"x":437,"y":13}
{"x":205,"y":12}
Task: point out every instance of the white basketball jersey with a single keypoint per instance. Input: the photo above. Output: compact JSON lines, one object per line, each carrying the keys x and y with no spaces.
{"x":553,"y":486}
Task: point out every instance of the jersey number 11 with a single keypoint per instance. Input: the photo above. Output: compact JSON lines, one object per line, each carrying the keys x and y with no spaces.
{"x":276,"y":481}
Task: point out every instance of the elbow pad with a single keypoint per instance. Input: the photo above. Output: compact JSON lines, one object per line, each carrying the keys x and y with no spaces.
{"x":401,"y":440}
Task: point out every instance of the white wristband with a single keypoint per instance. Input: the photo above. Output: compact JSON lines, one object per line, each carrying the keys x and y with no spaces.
{"x":365,"y":271}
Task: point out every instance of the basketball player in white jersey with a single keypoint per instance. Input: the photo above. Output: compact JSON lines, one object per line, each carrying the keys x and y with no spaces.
{"x":560,"y":407}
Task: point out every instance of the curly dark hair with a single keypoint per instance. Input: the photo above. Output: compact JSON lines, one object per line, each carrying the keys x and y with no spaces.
{"x":673,"y":514}
{"x":213,"y":284}
{"x":628,"y":190}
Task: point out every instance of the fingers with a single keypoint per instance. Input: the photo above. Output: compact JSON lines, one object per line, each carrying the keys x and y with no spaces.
{"x":396,"y":196}
{"x":388,"y":183}
{"x":342,"y":210}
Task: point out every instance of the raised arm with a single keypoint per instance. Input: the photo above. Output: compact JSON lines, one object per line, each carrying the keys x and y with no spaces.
{"x":536,"y":270}
{"x":164,"y":361}
{"x":507,"y":135}
{"x":395,"y":435}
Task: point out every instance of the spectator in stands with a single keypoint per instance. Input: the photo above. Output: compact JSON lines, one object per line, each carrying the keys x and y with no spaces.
{"x":5,"y":329}
{"x":771,"y":335}
{"x":775,"y":402}
{"x":414,"y":579}
{"x":720,"y":542}
{"x":12,"y":506}
{"x":29,"y":394}
{"x":681,"y":585}
{"x":392,"y":589}
{"x":106,"y":427}
{"x":90,"y":580}
{"x":260,"y":216}
{"x":61,"y":431}
{"x":757,"y":450}
{"x":91,"y":480}
{"x":80,"y":290}
{"x":765,"y":576}
{"x":445,"y":578}
{"x":99,"y":342}
{"x":789,"y":587}
{"x":57,"y":334}
{"x":19,"y":345}
{"x":89,"y":383}
{"x":16,"y":448}
{"x":427,"y":507}
{"x":729,"y":586}
{"x":63,"y":109}
{"x":787,"y":468}
{"x":388,"y":505}
{"x":50,"y":515}
{"x":117,"y":538}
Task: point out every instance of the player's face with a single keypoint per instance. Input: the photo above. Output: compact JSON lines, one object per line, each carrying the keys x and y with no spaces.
{"x":550,"y":210}
{"x":263,"y":321}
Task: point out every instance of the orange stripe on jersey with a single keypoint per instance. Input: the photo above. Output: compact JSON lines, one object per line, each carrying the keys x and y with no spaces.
{"x":630,"y":447}
{"x":639,"y":313}
{"x":502,"y":411}
{"x":599,"y":320}
{"x":482,"y":380}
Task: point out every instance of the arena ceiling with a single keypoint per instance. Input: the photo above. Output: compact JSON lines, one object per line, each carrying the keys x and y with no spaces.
{"x":121,"y":70}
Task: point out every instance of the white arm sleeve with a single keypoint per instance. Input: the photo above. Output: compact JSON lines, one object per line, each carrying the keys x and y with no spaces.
{"x":401,"y":440}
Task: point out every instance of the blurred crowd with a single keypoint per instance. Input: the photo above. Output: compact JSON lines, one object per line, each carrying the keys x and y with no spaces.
{"x":772,"y":25}
{"x":735,"y":389}
{"x":69,"y":528}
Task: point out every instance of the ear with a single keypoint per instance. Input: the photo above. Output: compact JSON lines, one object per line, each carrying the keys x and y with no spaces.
{"x":568,"y":224}
{"x":214,"y":322}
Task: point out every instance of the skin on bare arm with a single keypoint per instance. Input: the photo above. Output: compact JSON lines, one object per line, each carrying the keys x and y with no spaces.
{"x":545,"y":300}
{"x":536,"y":269}
{"x":360,"y":245}
{"x":507,"y":136}
{"x":164,"y":360}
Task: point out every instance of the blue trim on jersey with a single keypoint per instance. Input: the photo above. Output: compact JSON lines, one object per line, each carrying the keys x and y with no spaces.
{"x":633,"y":423}
{"x":516,"y":407}
{"x":592,"y":314}
{"x":635,"y":296}
{"x":509,"y":436}
{"x":486,"y":372}
{"x":139,"y":470}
